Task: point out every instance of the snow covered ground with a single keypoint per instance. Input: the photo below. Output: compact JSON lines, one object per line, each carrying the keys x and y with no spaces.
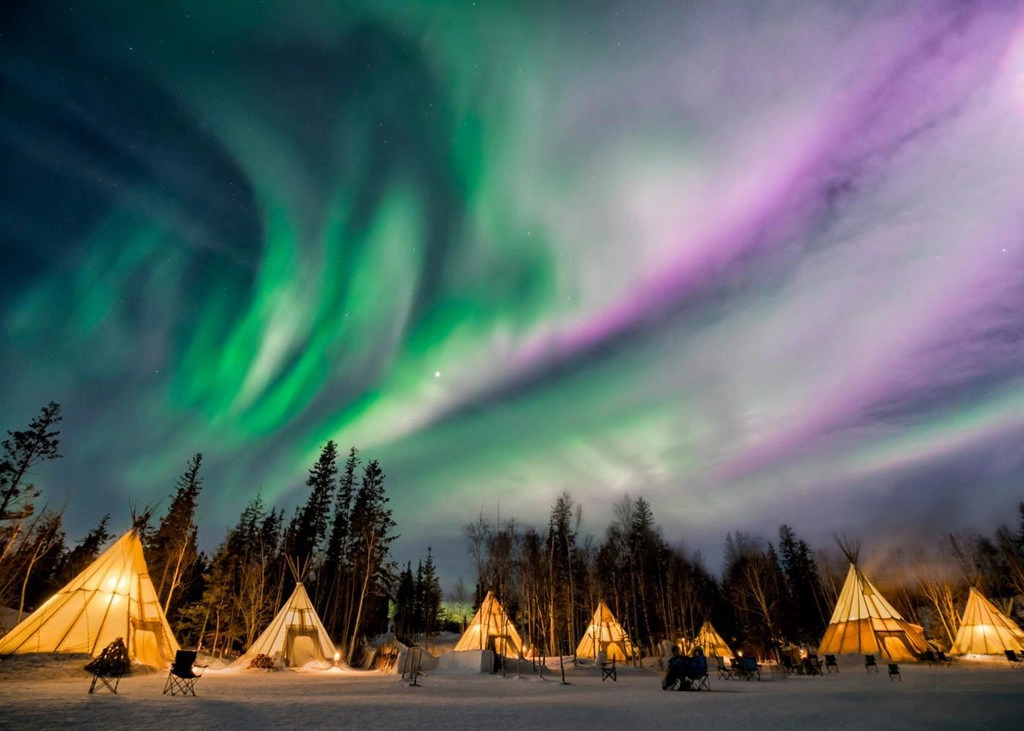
{"x":45,"y":693}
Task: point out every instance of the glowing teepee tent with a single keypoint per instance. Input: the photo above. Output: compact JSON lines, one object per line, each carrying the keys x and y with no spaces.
{"x":865,"y":623}
{"x":491,"y":629}
{"x":606,"y":635}
{"x":296,"y":635}
{"x":984,"y":630}
{"x":113,"y":597}
{"x":711,"y":642}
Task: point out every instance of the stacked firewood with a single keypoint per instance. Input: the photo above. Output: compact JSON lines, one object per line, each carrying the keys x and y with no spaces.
{"x":262,"y":662}
{"x":113,"y":660}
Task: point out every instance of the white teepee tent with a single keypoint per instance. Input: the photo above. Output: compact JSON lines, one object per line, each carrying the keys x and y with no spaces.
{"x":491,"y":629}
{"x":984,"y":630}
{"x":864,"y":623}
{"x":606,"y":635}
{"x":712,"y":643}
{"x":112,"y":597}
{"x":296,"y":635}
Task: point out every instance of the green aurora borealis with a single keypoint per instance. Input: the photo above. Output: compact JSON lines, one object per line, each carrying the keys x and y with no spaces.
{"x":753,"y":264}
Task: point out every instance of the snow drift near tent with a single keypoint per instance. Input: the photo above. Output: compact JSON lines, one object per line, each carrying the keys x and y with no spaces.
{"x":865,"y":623}
{"x":984,"y":630}
{"x":491,"y":630}
{"x":296,"y":634}
{"x":112,"y":597}
{"x":606,"y":635}
{"x":712,"y":643}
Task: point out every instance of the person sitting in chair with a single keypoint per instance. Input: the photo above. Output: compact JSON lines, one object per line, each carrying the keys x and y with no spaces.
{"x":676,"y":669}
{"x":697,"y":667}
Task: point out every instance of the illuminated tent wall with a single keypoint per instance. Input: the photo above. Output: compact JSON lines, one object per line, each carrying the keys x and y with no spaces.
{"x":491,"y":629}
{"x":296,"y":635}
{"x":112,"y":597}
{"x":865,"y":623}
{"x":711,"y":642}
{"x":984,"y":630}
{"x":606,"y":635}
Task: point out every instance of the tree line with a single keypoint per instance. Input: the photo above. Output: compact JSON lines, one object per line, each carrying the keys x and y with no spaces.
{"x":770,"y":593}
{"x":340,"y":537}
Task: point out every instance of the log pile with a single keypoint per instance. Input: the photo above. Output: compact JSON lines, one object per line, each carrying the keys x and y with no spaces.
{"x":113,"y":660}
{"x":262,"y":662}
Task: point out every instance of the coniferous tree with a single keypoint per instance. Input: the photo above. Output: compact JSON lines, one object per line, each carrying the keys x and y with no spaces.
{"x":405,"y":603}
{"x":648,"y":554}
{"x":241,"y":585}
{"x":308,"y":529}
{"x":172,"y":548}
{"x":429,"y":596}
{"x":78,"y":558}
{"x":22,"y":451}
{"x":532,"y":568}
{"x":804,"y":617}
{"x":372,"y":537}
{"x":561,"y":552}
{"x":336,"y":574}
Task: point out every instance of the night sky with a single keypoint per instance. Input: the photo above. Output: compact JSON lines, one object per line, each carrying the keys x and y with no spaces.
{"x":757,"y":262}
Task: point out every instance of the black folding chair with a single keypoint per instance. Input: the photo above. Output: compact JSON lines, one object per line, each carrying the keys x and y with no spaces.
{"x":831,"y":666}
{"x":869,"y":664}
{"x":608,"y":671}
{"x":724,"y":671}
{"x":701,"y":683}
{"x":894,"y":672}
{"x":943,"y":659}
{"x":1015,"y":660}
{"x":182,"y":677}
{"x":747,"y":668}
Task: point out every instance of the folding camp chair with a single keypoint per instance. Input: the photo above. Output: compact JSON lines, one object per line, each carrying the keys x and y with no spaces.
{"x":894,"y":672}
{"x":929,"y":657}
{"x":724,"y":671}
{"x":943,"y":660}
{"x":701,"y":683}
{"x":608,"y":671}
{"x":748,"y":668}
{"x":869,"y":663}
{"x":831,"y":666}
{"x":182,"y":677}
{"x":1016,"y":660}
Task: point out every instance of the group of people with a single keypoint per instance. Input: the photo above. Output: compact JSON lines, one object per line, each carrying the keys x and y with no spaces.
{"x":683,"y":671}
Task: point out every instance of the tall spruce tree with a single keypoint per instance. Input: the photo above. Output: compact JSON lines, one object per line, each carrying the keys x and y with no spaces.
{"x":405,"y":603}
{"x":372,"y":537}
{"x":429,"y":596}
{"x":804,"y":617}
{"x":171,"y":550}
{"x":336,"y":575}
{"x":308,"y":529}
{"x":561,"y":550}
